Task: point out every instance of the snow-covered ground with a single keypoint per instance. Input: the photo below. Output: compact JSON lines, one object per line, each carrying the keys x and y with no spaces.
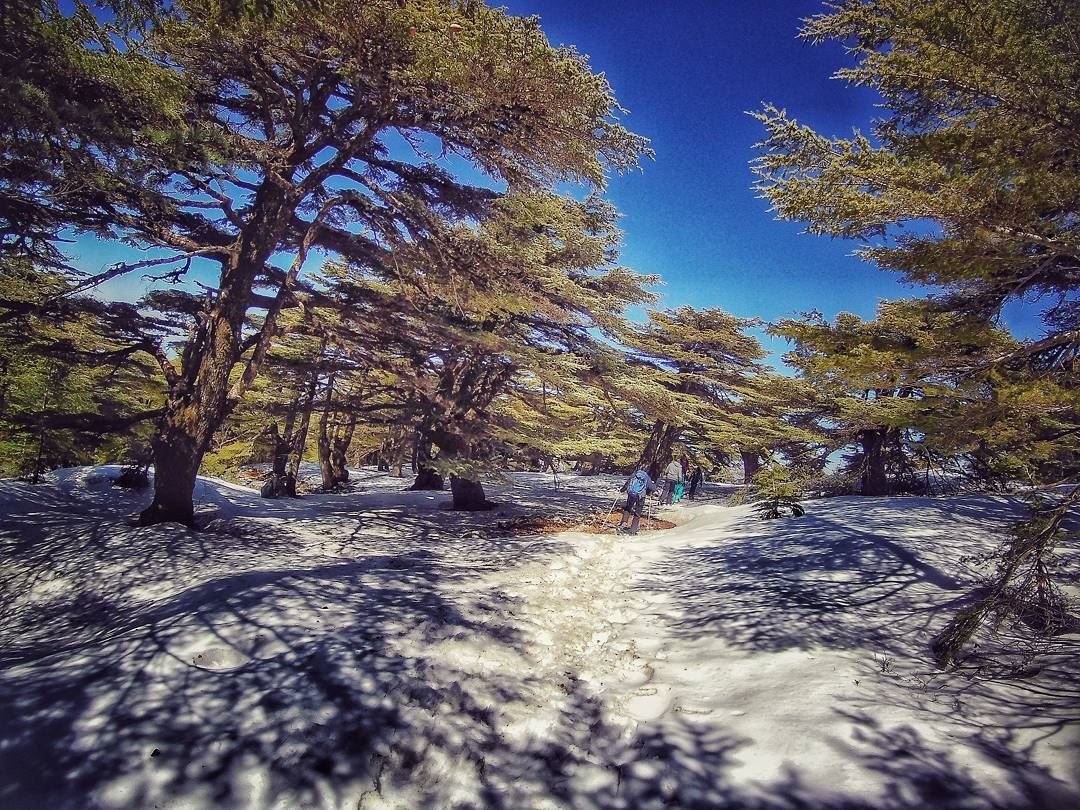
{"x":370,"y":650}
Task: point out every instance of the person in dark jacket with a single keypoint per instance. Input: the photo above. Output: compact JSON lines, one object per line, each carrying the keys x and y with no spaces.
{"x":695,"y":481}
{"x":637,"y":486}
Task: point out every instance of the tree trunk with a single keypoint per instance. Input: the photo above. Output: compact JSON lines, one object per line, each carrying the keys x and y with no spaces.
{"x":426,"y":475}
{"x":658,"y":449}
{"x":395,"y":449}
{"x":647,"y":461}
{"x":468,"y":495}
{"x":874,"y":480}
{"x":198,"y":397}
{"x":339,"y":449}
{"x":326,"y":468}
{"x":299,"y":438}
{"x":751,"y":463}
{"x":178,"y":451}
{"x":427,"y":478}
{"x":665,"y":452}
{"x":278,"y":460}
{"x":281,"y":449}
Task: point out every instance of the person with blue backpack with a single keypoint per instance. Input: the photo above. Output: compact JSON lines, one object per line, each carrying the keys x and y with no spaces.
{"x":637,"y":487}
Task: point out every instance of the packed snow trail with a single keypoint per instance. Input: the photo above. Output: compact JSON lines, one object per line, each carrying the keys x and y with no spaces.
{"x":373,"y":651}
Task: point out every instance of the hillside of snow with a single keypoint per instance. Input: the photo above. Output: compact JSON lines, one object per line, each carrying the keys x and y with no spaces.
{"x":371,"y":650}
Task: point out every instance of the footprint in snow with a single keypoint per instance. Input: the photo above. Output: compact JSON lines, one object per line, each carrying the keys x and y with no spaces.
{"x":219,"y":659}
{"x":651,"y":705}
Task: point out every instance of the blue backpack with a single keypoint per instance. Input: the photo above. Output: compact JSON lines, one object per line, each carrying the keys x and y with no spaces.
{"x":637,"y":483}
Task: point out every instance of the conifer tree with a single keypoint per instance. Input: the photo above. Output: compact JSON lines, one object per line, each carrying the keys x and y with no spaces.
{"x":903,"y":394}
{"x":517,"y":295}
{"x":77,"y":90}
{"x":75,"y":384}
{"x":566,"y":417}
{"x":979,"y":138}
{"x":284,"y":149}
{"x":702,"y":364}
{"x":979,"y":149}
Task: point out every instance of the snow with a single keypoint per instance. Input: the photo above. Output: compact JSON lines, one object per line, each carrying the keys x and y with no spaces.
{"x":371,"y":650}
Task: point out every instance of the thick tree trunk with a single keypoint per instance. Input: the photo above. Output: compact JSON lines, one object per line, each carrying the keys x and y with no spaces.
{"x":279,"y":456}
{"x":198,"y":398}
{"x":299,"y":438}
{"x":874,"y":480}
{"x":664,"y":451}
{"x":426,"y":476}
{"x":468,"y":495}
{"x":177,"y":455}
{"x":658,"y":449}
{"x":751,"y":463}
{"x":339,"y":449}
{"x":647,"y":461}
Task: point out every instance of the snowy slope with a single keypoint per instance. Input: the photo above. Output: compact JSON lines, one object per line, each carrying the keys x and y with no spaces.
{"x":371,"y":650}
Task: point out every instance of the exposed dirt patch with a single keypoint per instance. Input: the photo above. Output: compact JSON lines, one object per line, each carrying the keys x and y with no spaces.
{"x":593,"y":524}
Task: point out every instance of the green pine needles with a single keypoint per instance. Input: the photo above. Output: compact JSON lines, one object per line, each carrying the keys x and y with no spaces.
{"x":778,"y":490}
{"x":1022,"y":589}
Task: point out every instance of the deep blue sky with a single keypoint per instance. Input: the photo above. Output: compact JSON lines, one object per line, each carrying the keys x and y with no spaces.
{"x":688,"y":71}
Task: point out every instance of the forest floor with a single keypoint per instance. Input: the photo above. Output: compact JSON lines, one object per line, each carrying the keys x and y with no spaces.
{"x":373,"y":650}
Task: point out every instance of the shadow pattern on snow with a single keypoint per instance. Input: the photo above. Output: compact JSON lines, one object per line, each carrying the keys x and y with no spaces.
{"x":822,"y":581}
{"x":855,"y":579}
{"x":352,"y":674}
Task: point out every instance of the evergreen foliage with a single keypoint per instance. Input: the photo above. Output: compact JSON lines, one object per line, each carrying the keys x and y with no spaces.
{"x":1022,"y":588}
{"x":901,"y":389}
{"x":977,"y":154}
{"x":980,"y":138}
{"x":698,"y":370}
{"x":74,"y":384}
{"x":279,"y":143}
{"x":777,"y":489}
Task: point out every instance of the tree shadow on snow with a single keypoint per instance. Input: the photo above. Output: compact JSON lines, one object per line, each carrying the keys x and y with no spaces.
{"x":358,"y":661}
{"x":817,"y":581}
{"x":885,"y":580}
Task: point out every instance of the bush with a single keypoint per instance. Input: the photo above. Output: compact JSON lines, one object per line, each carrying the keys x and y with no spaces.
{"x":777,"y":490}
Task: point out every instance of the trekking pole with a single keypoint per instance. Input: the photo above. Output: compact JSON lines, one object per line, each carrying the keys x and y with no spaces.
{"x":612,"y":509}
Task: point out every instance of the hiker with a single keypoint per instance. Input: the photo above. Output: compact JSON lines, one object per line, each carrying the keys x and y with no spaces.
{"x":672,"y":475}
{"x":695,"y":481}
{"x":637,"y":486}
